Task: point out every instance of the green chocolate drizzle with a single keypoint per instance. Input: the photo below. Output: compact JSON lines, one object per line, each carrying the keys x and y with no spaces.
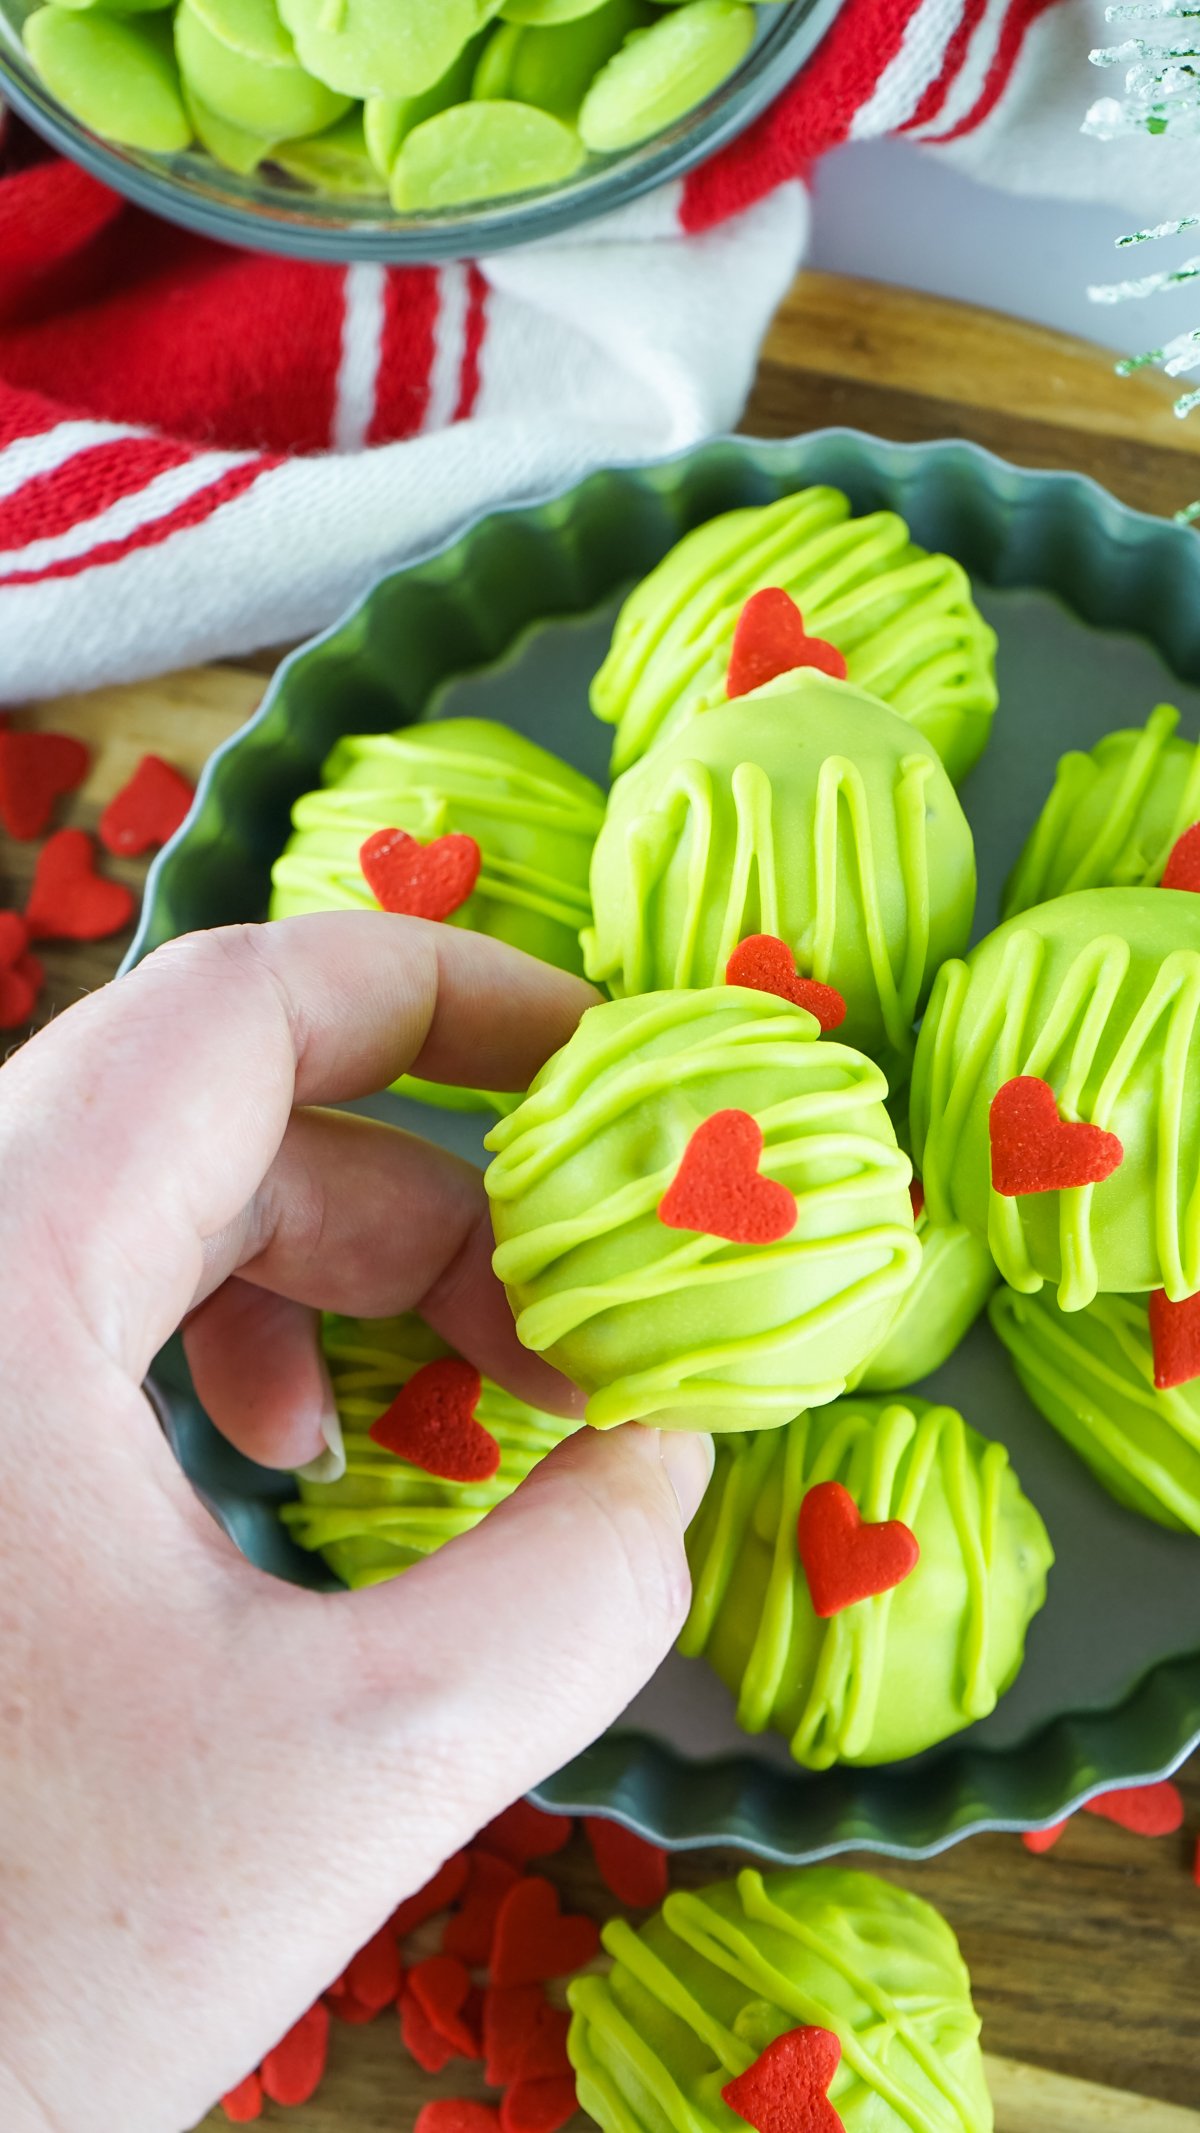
{"x":904,"y":620}
{"x":695,"y":1996}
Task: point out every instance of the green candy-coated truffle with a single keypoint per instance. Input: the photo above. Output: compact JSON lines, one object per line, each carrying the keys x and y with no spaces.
{"x":533,"y":817}
{"x":887,"y":1676}
{"x":956,"y":1278}
{"x":383,"y":1515}
{"x":1097,"y":994}
{"x":697,"y":1993}
{"x":809,"y":811}
{"x":1113,"y":815}
{"x":681,"y":1325}
{"x":1091,"y":1374}
{"x":904,"y":620}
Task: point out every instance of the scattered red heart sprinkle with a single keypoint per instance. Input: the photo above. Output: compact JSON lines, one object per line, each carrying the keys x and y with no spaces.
{"x":718,"y":1190}
{"x":20,"y":985}
{"x":441,"y":1987}
{"x":470,"y":1932}
{"x":785,"y":2091}
{"x":1034,"y":1150}
{"x":437,"y":1895}
{"x":844,"y":1560}
{"x":36,"y":769}
{"x":69,"y":901}
{"x":14,"y":938}
{"x":538,"y":2106}
{"x":456,"y":2114}
{"x":420,"y":880}
{"x":244,"y":2103}
{"x":344,"y":2007}
{"x":636,"y":1871}
{"x":147,"y":811}
{"x":535,"y":1941}
{"x":1175,"y":1339}
{"x":524,"y":2037}
{"x":766,"y":964}
{"x":524,"y":1832}
{"x":916,"y":1193}
{"x":425,"y":2043}
{"x":770,"y":639}
{"x":375,"y":1975}
{"x":1147,"y":1810}
{"x":1182,"y":870}
{"x":431,"y":1423}
{"x":291,"y":2073}
{"x":1042,"y":1840}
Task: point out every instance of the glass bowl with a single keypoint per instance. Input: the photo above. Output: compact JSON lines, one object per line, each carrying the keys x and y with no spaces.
{"x":270,"y":212}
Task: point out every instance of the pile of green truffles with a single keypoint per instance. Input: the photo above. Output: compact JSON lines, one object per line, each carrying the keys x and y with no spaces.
{"x":430,"y":104}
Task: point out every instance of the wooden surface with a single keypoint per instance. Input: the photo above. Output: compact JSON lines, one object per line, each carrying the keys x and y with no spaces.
{"x":1086,"y":1962}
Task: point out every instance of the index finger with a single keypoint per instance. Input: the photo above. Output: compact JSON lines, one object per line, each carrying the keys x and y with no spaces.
{"x":140,"y":1123}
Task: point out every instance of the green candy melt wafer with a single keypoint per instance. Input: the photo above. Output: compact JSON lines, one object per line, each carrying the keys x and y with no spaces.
{"x":252,"y":27}
{"x":119,"y":78}
{"x":554,"y":67}
{"x":663,"y":72}
{"x":380,"y":47}
{"x":482,"y":151}
{"x":547,"y":11}
{"x":334,"y":162}
{"x":388,"y":120}
{"x":277,"y":101}
{"x":229,"y":145}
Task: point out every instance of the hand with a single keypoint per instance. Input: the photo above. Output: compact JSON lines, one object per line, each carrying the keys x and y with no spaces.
{"x":215,"y":1787}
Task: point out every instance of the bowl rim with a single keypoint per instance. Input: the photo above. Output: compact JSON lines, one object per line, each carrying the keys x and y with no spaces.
{"x":460,"y":233}
{"x":634,"y":1778}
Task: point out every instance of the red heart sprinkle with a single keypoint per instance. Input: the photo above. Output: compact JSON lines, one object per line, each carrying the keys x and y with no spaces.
{"x":437,"y":1895}
{"x":635,"y":1870}
{"x":441,"y":1987}
{"x":14,"y":938}
{"x":375,"y":1975}
{"x":916,"y":1193}
{"x":1147,"y":1810}
{"x":69,"y":901}
{"x":1175,"y":1339}
{"x":770,"y":639}
{"x":344,"y":2007}
{"x":524,"y":2037}
{"x":456,"y":2114}
{"x":785,"y":2091}
{"x":36,"y":769}
{"x":292,"y":2072}
{"x":431,"y":1423}
{"x":147,"y":811}
{"x":1182,"y":870}
{"x":419,"y":2037}
{"x":420,"y":880}
{"x":538,"y":2106}
{"x":471,"y":1931}
{"x":844,"y":1560}
{"x":1042,"y":1840}
{"x":717,"y":1188}
{"x":244,"y":2103}
{"x":19,"y":989}
{"x":766,"y":964}
{"x":535,"y":1941}
{"x":524,"y":1832}
{"x":1034,"y":1150}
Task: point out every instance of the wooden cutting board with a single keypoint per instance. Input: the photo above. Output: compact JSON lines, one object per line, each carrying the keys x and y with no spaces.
{"x":1086,"y":1962}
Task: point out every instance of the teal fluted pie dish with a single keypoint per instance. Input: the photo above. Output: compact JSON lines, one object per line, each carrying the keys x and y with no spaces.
{"x":1097,"y":611}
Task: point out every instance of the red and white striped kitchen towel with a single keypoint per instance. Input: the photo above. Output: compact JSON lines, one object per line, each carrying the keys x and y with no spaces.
{"x":203,"y":451}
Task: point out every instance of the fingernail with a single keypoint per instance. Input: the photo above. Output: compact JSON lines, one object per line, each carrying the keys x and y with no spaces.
{"x":329,"y":1465}
{"x":689,"y":1457}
